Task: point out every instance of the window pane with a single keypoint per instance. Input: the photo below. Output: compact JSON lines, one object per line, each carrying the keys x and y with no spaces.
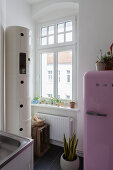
{"x":65,"y":69}
{"x":69,"y":26}
{"x":44,"y":40}
{"x":60,"y":38}
{"x":61,"y":27}
{"x":51,"y":40}
{"x":47,"y":74}
{"x":51,"y":30}
{"x":68,"y":36}
{"x":44,"y":31}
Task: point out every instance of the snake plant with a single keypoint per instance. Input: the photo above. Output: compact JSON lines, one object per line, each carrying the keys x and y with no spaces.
{"x":70,"y":147}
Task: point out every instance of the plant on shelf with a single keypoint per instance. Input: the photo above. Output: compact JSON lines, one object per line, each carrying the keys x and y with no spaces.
{"x":35,"y":99}
{"x":51,"y":100}
{"x":69,"y":159}
{"x":57,"y":101}
{"x":72,"y":104}
{"x":62,"y":103}
{"x":105,"y":62}
{"x":43,"y":101}
{"x":100,"y":65}
{"x":108,"y":60}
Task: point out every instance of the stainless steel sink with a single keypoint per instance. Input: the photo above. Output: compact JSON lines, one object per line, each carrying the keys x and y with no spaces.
{"x":11,"y":146}
{"x":7,"y":146}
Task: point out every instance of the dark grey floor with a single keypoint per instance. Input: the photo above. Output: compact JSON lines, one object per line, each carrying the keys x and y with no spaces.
{"x":51,"y":160}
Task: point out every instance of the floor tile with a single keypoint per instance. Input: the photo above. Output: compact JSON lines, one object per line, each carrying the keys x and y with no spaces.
{"x":51,"y":160}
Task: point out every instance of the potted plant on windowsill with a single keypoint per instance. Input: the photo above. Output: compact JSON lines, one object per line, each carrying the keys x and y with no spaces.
{"x":72,"y":104}
{"x":51,"y":100}
{"x":69,"y":159}
{"x":57,"y":101}
{"x":35,"y":100}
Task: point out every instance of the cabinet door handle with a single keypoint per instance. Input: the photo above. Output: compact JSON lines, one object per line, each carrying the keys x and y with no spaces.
{"x":21,"y":105}
{"x":22,"y":82}
{"x":92,"y":113}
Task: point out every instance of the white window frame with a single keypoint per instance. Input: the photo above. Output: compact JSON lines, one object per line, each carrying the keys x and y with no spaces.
{"x":48,"y":35}
{"x":57,"y":48}
{"x":40,"y":25}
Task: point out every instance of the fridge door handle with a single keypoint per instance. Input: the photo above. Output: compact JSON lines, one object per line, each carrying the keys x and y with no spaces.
{"x":92,"y":113}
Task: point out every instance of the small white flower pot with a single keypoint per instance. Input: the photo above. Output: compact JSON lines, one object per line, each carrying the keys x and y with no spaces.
{"x":69,"y":165}
{"x":100,"y":66}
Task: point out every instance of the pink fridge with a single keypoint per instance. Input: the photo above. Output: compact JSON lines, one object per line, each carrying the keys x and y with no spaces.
{"x":98,"y":124}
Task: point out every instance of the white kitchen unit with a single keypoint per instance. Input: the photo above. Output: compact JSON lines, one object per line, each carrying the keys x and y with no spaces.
{"x":23,"y":161}
{"x":18,"y":113}
{"x":16,"y":153}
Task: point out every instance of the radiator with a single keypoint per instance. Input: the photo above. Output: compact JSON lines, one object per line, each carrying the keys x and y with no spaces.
{"x":59,"y":126}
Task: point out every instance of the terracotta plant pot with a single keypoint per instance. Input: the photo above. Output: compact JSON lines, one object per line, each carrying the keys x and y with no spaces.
{"x":72,"y":104}
{"x":69,"y":165}
{"x":108,"y":68}
{"x":100,"y":66}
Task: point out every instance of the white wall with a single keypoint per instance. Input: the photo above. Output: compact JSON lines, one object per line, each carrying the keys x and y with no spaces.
{"x":2,"y":27}
{"x":49,"y":10}
{"x":95,"y":32}
{"x":18,"y":13}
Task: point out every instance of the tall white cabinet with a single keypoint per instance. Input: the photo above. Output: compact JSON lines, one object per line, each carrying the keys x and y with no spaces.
{"x":18,"y":113}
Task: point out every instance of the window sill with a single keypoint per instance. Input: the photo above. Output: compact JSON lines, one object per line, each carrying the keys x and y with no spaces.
{"x":55,"y":107}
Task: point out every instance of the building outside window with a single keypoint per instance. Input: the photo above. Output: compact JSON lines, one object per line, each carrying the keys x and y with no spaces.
{"x":49,"y":95}
{"x":68,"y":97}
{"x":68,"y":76}
{"x":56,"y":53}
{"x":47,"y":74}
{"x":64,"y":63}
{"x":50,"y":76}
